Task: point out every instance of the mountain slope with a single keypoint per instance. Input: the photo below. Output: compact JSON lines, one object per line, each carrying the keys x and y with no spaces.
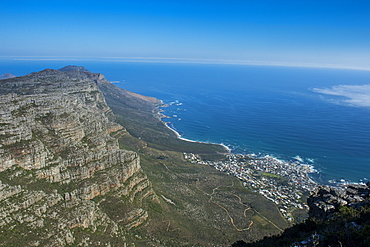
{"x":60,"y":166}
{"x":85,"y":163}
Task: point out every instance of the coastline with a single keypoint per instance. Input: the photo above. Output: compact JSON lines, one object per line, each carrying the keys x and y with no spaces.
{"x":227,"y":149}
{"x":312,"y":171}
{"x":161,"y":116}
{"x":309,"y":171}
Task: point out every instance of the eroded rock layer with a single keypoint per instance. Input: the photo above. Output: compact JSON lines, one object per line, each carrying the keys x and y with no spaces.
{"x":59,"y":164}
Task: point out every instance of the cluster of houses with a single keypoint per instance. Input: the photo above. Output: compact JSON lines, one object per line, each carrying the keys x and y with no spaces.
{"x":282,"y":182}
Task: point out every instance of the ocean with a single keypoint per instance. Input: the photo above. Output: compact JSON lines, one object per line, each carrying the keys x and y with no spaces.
{"x":318,"y":116}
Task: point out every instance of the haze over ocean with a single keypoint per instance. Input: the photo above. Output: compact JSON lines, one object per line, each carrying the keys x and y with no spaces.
{"x":321,"y":116}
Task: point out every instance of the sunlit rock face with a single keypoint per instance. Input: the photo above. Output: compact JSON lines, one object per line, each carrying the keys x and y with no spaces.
{"x":59,"y":163}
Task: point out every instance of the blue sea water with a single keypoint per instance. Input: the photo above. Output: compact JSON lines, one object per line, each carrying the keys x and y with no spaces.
{"x":278,"y":111}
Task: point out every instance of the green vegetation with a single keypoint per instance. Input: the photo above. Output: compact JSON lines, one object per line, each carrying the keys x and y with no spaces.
{"x":267,"y":174}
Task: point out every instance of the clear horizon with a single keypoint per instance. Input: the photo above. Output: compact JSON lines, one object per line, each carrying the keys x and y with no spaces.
{"x":329,"y":34}
{"x":179,"y":61}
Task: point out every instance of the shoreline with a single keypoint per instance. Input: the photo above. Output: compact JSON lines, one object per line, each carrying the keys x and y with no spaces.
{"x":312,"y":168}
{"x":227,"y":149}
{"x":161,"y":116}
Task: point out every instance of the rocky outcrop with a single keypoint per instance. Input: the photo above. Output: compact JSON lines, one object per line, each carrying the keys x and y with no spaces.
{"x":326,"y":200}
{"x":58,"y":161}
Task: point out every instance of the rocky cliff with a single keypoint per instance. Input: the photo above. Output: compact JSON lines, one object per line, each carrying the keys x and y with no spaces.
{"x":325,"y":201}
{"x":61,"y":169}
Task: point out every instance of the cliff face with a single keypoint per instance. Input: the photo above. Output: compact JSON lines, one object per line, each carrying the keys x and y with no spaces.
{"x":60,"y":167}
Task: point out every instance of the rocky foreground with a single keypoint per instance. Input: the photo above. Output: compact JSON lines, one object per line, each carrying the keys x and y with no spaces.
{"x":338,"y":216}
{"x":325,"y":201}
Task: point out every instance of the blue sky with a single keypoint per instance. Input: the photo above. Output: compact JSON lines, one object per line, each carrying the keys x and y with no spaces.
{"x":299,"y":32}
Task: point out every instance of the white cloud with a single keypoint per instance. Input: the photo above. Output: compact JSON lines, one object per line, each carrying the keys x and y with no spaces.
{"x":354,"y":95}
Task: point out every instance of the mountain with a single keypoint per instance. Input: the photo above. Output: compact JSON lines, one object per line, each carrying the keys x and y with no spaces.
{"x":61,"y":169}
{"x":6,"y":76}
{"x":85,"y":163}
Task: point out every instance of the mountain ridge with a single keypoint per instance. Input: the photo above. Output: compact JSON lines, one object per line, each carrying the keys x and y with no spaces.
{"x":57,"y":156}
{"x":85,"y":162}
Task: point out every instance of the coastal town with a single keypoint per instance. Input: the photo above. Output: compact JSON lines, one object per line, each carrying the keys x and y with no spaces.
{"x":282,"y":182}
